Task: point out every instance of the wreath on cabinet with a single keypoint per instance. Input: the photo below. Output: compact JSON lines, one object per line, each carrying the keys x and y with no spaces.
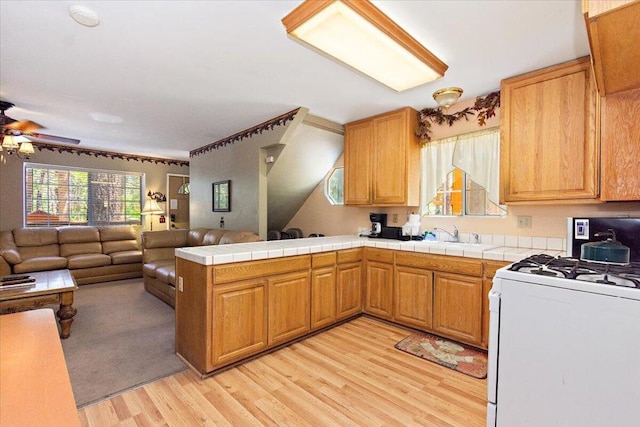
{"x":484,"y":107}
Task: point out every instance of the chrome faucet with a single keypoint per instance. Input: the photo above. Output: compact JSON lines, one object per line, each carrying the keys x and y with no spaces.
{"x":454,"y":235}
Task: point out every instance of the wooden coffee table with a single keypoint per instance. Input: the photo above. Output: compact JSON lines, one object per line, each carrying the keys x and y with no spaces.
{"x":51,"y":287}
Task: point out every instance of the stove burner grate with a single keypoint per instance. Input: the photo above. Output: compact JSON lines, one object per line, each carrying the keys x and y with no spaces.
{"x":575,"y":269}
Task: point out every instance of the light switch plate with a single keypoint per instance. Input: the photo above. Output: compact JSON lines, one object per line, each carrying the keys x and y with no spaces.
{"x":180,"y":284}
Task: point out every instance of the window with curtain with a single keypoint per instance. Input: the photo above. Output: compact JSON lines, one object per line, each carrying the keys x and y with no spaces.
{"x":460,"y":175}
{"x":59,"y":195}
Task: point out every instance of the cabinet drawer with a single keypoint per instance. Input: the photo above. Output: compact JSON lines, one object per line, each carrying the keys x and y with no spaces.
{"x":490,"y":268}
{"x":451,"y":264}
{"x":323,"y":259}
{"x":349,"y":255}
{"x":379,"y":255}
{"x":247,"y":270}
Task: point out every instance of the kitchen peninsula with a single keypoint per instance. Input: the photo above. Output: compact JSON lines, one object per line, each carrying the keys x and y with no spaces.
{"x":236,"y":301}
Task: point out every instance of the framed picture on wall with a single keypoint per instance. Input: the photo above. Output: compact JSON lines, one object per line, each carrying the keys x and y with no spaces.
{"x":222,"y":196}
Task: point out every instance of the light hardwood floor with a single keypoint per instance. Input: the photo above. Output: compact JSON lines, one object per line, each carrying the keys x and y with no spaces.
{"x":350,"y":375}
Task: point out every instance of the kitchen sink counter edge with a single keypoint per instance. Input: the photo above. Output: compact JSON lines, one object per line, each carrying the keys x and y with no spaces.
{"x":239,"y":252}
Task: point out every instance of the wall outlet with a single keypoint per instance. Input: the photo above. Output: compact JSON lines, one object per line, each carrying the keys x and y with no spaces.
{"x":524,"y":221}
{"x":180,"y":284}
{"x":394,"y":218}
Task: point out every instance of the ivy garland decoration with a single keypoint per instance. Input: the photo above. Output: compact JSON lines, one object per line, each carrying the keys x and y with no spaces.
{"x":485,"y":108}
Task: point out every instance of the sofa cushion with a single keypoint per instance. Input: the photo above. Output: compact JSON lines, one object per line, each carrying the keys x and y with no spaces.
{"x":12,"y":256}
{"x":167,"y":274}
{"x":238,"y":236}
{"x":70,"y":249}
{"x":35,"y":236}
{"x":119,"y":246}
{"x":78,"y":234}
{"x":150,"y":268}
{"x":195,"y":236}
{"x":40,"y":264}
{"x":165,"y":239}
{"x":28,"y":252}
{"x":88,"y":261}
{"x":126,"y":257}
{"x":213,"y":237}
{"x":117,"y":232}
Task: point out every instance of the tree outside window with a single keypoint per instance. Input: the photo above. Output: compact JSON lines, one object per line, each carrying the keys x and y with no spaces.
{"x":57,"y":196}
{"x":459,"y":195}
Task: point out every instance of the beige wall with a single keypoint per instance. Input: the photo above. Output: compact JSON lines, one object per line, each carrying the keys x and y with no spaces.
{"x":11,"y":180}
{"x":317,"y":215}
{"x":244,"y":164}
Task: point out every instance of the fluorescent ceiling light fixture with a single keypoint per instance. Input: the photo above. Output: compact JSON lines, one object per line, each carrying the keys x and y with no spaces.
{"x":359,"y":35}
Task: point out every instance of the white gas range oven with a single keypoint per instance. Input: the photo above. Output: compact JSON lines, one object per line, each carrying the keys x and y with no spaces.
{"x":564,"y":343}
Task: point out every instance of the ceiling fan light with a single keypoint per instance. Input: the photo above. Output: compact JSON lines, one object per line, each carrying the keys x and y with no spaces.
{"x":26,"y":148}
{"x":447,"y":96}
{"x":9,"y":143}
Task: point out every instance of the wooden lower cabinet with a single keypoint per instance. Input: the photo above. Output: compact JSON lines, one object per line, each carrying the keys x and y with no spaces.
{"x":348,"y":289}
{"x":240,"y":320}
{"x":490,"y":268}
{"x":323,"y":297}
{"x":379,"y":289}
{"x":413,"y":297}
{"x":289,"y":299}
{"x":457,"y":307}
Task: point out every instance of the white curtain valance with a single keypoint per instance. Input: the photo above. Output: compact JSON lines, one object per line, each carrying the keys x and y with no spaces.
{"x":477,"y":154}
{"x":436,"y":164}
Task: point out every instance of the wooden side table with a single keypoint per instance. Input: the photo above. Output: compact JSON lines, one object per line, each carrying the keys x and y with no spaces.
{"x":50,"y":287}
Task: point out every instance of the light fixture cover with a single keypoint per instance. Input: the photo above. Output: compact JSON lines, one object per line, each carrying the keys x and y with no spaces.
{"x":359,"y":35}
{"x":151,"y":207}
{"x":9,"y":143}
{"x":185,"y":188}
{"x":26,"y":148}
{"x":447,"y":96}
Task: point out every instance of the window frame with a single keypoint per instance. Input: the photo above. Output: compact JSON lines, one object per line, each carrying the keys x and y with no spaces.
{"x":326,"y":186}
{"x":464,"y":199}
{"x":127,"y":204}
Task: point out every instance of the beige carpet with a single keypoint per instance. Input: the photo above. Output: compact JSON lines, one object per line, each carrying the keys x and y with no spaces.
{"x":121,"y":337}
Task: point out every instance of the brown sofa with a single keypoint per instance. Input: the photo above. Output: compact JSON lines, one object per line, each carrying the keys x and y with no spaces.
{"x":158,"y":248}
{"x":92,"y":254}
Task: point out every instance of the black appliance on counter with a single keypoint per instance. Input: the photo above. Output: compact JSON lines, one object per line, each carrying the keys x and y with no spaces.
{"x":378,"y":221}
{"x":583,"y":230}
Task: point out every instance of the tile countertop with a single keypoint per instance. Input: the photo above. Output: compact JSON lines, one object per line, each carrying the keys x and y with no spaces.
{"x":238,"y":252}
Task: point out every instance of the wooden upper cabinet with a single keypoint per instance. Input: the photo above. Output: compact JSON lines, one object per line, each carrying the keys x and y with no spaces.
{"x":549,"y":146}
{"x":382,"y":160}
{"x":614,"y":38}
{"x":357,"y":160}
{"x":620,"y":145}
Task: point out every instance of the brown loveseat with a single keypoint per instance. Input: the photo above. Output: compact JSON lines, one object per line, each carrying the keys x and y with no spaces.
{"x":159,"y":269}
{"x":92,"y":254}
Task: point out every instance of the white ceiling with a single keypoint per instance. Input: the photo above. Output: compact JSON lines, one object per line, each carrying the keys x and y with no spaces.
{"x":182,"y":74}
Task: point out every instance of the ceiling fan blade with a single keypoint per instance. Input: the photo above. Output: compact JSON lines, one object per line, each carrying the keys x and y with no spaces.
{"x":41,"y":137}
{"x":23,"y":126}
{"x":5,"y":120}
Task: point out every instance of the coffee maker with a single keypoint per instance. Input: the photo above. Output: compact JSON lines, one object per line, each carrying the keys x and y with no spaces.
{"x":378,"y":222}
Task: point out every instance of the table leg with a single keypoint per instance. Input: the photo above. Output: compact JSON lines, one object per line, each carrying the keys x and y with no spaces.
{"x":66,"y":313}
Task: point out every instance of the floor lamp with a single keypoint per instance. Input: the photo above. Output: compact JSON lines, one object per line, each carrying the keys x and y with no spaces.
{"x":151,"y":207}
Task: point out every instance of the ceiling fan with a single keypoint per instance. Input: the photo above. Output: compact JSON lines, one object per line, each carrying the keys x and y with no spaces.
{"x":27,"y":128}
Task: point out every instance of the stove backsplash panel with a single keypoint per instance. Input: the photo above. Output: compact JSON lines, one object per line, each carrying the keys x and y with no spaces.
{"x":582,"y":230}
